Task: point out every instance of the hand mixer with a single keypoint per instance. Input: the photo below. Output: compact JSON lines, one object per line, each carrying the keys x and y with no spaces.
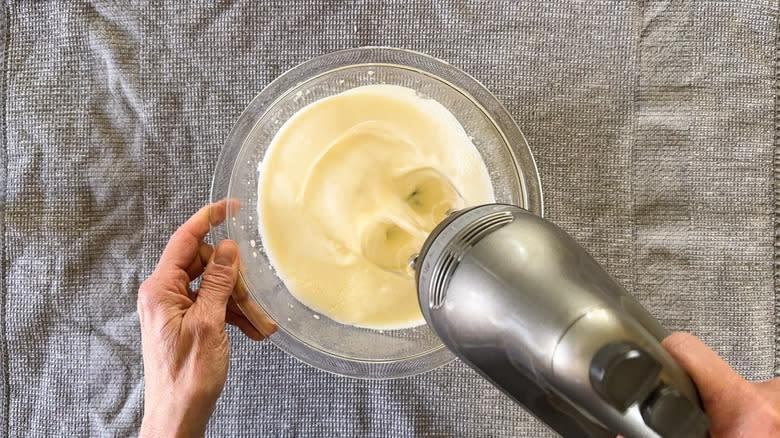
{"x":522,"y":303}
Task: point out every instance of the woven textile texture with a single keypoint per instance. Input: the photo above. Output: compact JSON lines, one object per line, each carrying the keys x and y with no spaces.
{"x":653,"y":124}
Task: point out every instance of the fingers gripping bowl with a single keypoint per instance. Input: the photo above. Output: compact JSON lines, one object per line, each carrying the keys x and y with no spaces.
{"x":303,"y":333}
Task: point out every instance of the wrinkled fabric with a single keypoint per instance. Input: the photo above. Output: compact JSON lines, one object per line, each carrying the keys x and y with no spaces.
{"x":653,"y":126}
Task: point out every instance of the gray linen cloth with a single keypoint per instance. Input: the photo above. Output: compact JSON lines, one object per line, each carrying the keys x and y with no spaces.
{"x":653,"y":124}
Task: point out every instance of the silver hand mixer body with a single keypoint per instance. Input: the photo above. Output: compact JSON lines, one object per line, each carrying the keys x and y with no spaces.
{"x":521,"y":302}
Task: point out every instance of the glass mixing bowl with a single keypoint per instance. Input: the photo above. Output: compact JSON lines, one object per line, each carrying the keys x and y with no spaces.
{"x":310,"y":337}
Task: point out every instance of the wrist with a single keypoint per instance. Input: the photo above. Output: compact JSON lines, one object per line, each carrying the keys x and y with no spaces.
{"x":174,"y":419}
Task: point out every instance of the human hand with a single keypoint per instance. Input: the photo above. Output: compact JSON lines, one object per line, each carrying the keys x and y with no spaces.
{"x":736,"y":407}
{"x":185,"y":347}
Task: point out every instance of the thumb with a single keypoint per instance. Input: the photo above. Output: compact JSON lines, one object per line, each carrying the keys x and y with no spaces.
{"x":218,"y":282}
{"x":719,"y":386}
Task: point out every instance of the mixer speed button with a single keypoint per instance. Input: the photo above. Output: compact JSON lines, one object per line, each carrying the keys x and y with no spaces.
{"x":622,"y":374}
{"x":673,"y":415}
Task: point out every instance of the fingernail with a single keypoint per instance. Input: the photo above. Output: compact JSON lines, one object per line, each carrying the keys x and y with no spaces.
{"x":225,"y":253}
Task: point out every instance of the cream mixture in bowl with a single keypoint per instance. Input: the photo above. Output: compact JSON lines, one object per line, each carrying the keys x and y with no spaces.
{"x":349,"y":189}
{"x":340,"y":168}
